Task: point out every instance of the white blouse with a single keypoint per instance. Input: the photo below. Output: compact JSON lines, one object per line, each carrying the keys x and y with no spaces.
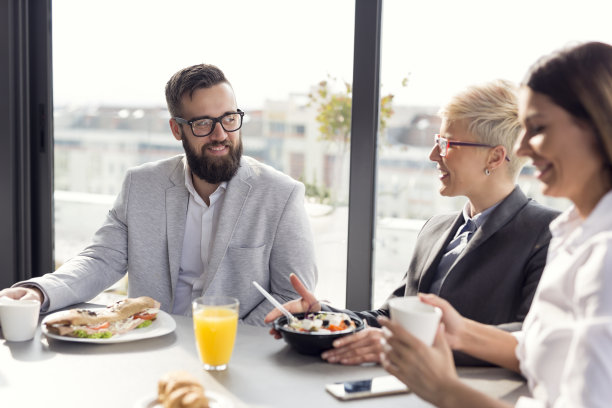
{"x":565,"y":347}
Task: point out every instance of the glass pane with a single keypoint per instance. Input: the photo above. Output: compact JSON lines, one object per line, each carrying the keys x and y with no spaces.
{"x":110,"y":112}
{"x":441,"y":47}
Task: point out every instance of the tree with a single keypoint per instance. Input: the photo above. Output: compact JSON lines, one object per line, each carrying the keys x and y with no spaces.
{"x":334,"y":108}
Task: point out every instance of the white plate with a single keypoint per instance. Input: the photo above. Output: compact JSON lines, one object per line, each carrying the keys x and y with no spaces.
{"x":215,"y":400}
{"x":164,"y":324}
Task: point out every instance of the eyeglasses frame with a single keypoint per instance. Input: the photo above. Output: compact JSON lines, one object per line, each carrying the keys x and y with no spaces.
{"x":216,"y":120}
{"x":451,"y":142}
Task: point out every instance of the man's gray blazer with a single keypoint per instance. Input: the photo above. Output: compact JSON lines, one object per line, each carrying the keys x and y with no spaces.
{"x":263,"y":235}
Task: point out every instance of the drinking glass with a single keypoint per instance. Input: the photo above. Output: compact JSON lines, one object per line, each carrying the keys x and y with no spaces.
{"x":215,"y":320}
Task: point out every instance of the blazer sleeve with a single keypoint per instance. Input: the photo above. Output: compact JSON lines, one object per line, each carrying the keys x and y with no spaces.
{"x":292,"y":252}
{"x":403,"y":289}
{"x":95,"y":268}
{"x":533,"y":271}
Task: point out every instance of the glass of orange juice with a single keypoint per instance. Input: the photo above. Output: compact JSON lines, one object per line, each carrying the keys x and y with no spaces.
{"x":215,"y":319}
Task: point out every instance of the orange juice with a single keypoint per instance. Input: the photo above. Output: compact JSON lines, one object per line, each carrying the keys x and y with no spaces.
{"x":215,"y":332}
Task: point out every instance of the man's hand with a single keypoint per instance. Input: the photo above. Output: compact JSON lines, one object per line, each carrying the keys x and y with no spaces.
{"x":307,"y":302}
{"x":23,"y":293}
{"x":361,"y":347}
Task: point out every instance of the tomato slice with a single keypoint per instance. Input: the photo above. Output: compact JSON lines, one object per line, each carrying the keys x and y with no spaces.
{"x":100,"y":326}
{"x":145,"y":316}
{"x":341,"y":326}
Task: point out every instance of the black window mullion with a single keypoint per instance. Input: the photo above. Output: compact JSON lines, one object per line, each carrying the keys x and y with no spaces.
{"x":364,"y":130}
{"x":26,"y":157}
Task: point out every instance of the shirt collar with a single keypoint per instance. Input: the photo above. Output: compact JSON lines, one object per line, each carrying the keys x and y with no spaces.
{"x":479,"y":218}
{"x":189,"y":185}
{"x":570,"y":220}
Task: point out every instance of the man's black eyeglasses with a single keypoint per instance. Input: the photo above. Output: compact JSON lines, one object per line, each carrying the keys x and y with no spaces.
{"x":204,"y":126}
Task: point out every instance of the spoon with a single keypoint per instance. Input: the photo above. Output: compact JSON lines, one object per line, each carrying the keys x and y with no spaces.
{"x":290,"y":317}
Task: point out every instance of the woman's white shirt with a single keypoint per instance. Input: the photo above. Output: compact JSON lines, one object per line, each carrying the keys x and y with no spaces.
{"x":565,"y":347}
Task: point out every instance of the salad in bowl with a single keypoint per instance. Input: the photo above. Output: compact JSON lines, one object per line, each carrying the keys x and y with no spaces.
{"x":313,"y":333}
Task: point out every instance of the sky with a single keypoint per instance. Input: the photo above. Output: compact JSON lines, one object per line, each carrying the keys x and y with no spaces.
{"x":124,"y":51}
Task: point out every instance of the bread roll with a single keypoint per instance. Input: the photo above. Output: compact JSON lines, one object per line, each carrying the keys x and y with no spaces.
{"x":180,"y":389}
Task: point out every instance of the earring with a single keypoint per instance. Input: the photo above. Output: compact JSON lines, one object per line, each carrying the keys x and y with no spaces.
{"x":487,"y":172}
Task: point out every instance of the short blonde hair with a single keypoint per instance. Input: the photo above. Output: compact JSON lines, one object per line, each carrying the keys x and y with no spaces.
{"x":491,"y":113}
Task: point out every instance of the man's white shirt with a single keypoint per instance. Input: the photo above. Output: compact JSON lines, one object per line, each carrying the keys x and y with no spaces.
{"x":200,"y":228}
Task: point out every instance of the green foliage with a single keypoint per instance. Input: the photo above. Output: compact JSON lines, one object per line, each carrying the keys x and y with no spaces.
{"x":319,"y":193}
{"x":334,"y":104}
{"x":334,"y":110}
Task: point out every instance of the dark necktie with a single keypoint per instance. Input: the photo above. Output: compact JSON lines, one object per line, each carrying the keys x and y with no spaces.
{"x":451,"y":253}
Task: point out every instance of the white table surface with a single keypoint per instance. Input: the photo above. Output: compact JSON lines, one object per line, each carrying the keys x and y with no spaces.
{"x":263,"y":372}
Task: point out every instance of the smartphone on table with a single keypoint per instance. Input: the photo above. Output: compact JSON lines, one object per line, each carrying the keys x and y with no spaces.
{"x":372,"y":387}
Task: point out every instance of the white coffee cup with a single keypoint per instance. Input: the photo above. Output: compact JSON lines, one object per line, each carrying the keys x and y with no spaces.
{"x":418,"y":318}
{"x":19,"y":318}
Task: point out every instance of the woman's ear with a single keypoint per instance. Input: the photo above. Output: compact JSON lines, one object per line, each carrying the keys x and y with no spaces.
{"x":497,"y":157}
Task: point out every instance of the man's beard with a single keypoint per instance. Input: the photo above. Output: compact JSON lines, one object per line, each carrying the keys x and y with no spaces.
{"x":213,"y":169}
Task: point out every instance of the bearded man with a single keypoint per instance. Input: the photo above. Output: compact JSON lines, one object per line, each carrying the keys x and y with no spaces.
{"x":208,"y":222}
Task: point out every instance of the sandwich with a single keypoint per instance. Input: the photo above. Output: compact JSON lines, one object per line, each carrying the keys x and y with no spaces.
{"x":179,"y":389}
{"x":117,"y":318}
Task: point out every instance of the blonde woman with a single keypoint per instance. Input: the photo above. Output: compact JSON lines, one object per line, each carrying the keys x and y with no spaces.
{"x":485,"y":260}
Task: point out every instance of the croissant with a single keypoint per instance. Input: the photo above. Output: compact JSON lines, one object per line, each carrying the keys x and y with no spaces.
{"x":180,"y":389}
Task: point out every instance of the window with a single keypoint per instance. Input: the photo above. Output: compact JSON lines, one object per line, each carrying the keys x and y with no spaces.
{"x":110,"y":111}
{"x":298,"y":130}
{"x":111,"y":104}
{"x":441,"y":47}
{"x":296,"y":166}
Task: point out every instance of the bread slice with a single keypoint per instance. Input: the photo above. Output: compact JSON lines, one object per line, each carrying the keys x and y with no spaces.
{"x":119,"y":310}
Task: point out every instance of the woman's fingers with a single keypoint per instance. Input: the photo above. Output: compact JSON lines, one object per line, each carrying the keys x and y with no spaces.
{"x":396,"y":333}
{"x":426,"y":370}
{"x":433,"y":300}
{"x":363,"y":346}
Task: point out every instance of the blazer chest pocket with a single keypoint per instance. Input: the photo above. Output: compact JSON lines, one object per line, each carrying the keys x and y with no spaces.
{"x":251,"y":260}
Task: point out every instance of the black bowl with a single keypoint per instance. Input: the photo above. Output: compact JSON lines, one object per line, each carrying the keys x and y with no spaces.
{"x":312,"y":343}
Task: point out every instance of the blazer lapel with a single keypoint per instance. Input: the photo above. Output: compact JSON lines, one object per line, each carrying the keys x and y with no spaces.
{"x":235,"y":198}
{"x":437,"y":250}
{"x":177,"y":198}
{"x":500,"y":216}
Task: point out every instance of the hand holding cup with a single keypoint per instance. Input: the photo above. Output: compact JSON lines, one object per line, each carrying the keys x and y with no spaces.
{"x":19,"y":318}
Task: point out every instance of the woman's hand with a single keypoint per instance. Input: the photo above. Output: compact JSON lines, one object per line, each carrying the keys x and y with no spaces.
{"x":454,"y":323}
{"x":307,"y":302}
{"x":361,"y":347}
{"x":427,"y":371}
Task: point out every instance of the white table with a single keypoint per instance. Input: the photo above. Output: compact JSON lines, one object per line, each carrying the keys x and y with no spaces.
{"x":263,"y":372}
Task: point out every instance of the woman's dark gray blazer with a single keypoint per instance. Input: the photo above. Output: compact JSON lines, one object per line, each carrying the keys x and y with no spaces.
{"x":494,"y":279}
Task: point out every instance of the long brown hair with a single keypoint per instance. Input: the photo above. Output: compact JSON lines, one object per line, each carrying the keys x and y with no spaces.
{"x":579,"y":79}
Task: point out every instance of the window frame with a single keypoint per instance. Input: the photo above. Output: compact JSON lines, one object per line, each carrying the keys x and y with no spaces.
{"x":26,"y":106}
{"x":27,"y":155}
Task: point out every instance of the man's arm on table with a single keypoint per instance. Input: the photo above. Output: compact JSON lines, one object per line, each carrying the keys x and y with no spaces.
{"x":96,"y":268}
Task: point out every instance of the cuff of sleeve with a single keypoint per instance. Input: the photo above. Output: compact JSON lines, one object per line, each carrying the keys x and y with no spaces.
{"x":44,"y":307}
{"x":526,"y":402}
{"x":518,"y":335}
